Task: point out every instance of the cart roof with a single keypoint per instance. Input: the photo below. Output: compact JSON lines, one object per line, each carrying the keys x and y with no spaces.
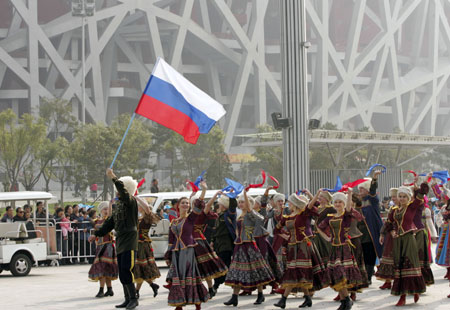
{"x":23,"y":196}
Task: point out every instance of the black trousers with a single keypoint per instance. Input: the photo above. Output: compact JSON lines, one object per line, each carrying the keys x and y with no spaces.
{"x":226,"y":258}
{"x":125,"y":261}
{"x":370,"y":257}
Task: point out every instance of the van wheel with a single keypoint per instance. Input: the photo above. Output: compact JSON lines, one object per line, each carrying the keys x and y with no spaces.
{"x":20,"y":265}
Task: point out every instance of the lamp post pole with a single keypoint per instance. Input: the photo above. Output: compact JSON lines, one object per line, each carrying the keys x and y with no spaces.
{"x":83,"y":69}
{"x":294,"y":95}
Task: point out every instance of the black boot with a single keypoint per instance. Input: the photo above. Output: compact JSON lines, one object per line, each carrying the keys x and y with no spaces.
{"x":137,"y":294}
{"x":233,"y":301}
{"x":342,"y":305}
{"x":100,"y":293}
{"x":127,"y":297}
{"x":370,"y":269}
{"x":347,"y":303}
{"x":260,"y":299}
{"x":155,"y":288}
{"x":281,"y":303}
{"x":133,"y":298}
{"x":307,"y":302}
{"x":109,"y":292}
{"x":212,"y":292}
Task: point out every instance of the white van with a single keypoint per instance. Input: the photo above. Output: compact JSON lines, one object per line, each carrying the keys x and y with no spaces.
{"x":160,"y":233}
{"x":20,"y":247}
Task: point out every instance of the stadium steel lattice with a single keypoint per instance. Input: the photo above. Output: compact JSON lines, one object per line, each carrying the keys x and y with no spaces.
{"x":379,"y":64}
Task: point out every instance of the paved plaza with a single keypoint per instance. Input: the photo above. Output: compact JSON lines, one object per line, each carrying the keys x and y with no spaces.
{"x":67,"y":287}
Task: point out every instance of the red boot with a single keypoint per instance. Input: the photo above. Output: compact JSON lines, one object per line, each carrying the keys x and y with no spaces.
{"x":448,"y":296}
{"x":386,"y":286}
{"x":337,"y":298}
{"x":198,"y":307}
{"x":401,"y":301}
{"x":179,"y":308}
{"x":279,"y":291}
{"x":168,"y":286}
{"x":353,"y":296}
{"x":447,"y":275}
{"x":416,"y":298}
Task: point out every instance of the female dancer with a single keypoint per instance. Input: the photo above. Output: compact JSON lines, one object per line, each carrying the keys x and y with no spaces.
{"x":104,"y":269}
{"x":443,"y":248}
{"x":305,"y":269}
{"x":248,"y":269}
{"x":145,"y":268}
{"x":342,"y":265}
{"x":386,"y":268}
{"x":408,"y":277}
{"x":186,"y":287}
{"x":209,"y":264}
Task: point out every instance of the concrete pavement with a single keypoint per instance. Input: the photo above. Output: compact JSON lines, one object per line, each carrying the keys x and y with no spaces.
{"x":67,"y":287}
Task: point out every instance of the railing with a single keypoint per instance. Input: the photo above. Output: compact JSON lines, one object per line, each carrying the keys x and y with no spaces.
{"x":75,"y":247}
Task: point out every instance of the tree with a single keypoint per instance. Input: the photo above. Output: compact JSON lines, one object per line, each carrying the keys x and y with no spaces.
{"x":58,"y":117}
{"x":18,"y":140}
{"x":94,"y":147}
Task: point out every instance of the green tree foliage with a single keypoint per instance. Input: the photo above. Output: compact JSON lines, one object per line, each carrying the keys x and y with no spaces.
{"x":94,"y":147}
{"x":20,"y":141}
{"x":187,"y":161}
{"x":58,"y":117}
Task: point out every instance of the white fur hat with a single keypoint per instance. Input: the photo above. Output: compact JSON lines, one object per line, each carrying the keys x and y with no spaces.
{"x":240,"y":198}
{"x":298,"y":201}
{"x":404,"y":190}
{"x":102,"y":205}
{"x":224,"y":201}
{"x":258,"y":200}
{"x":278,"y":197}
{"x":193,"y":198}
{"x":130,"y":184}
{"x":340,"y":196}
{"x":366,"y":184}
{"x":393,"y":191}
{"x":326,"y":195}
{"x":251,"y":200}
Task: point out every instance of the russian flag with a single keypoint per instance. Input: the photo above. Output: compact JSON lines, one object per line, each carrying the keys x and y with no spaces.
{"x":172,"y":101}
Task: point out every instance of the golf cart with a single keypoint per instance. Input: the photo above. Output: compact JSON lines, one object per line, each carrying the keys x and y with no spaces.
{"x":22,"y":247}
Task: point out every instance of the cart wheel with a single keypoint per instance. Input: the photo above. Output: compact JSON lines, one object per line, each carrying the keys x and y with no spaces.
{"x":20,"y":265}
{"x":54,"y":263}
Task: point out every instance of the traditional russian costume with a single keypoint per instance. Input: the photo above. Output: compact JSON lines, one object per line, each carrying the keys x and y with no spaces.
{"x":443,"y":247}
{"x":322,"y":245}
{"x":386,"y":268}
{"x":184,"y":275}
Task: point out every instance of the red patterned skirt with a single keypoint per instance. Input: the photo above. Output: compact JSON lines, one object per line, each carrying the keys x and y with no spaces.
{"x":343,"y":268}
{"x":443,"y":248}
{"x":145,"y":268}
{"x":359,"y":257}
{"x":305,"y":269}
{"x":385,"y":270}
{"x":209,"y":264}
{"x":105,"y":263}
{"x":248,"y":267}
{"x":269,"y":255}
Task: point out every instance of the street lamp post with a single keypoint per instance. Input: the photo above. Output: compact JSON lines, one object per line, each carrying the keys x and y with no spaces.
{"x":83,"y":8}
{"x":295,"y":95}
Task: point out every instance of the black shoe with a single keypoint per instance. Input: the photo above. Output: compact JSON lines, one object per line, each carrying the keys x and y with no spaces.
{"x":233,"y":301}
{"x":100,"y":293}
{"x":109,"y":292}
{"x":342,"y":305}
{"x":127,"y":297}
{"x":260,"y":299}
{"x":281,"y":303}
{"x":155,"y":288}
{"x":137,"y":294}
{"x":307,"y":302}
{"x":212,"y":292}
{"x":347,"y":303}
{"x":132,"y":293}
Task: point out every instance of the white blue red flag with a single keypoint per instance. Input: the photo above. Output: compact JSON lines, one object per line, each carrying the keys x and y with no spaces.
{"x":172,"y":101}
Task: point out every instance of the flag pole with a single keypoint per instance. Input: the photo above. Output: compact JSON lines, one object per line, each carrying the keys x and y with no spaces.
{"x":123,"y":139}
{"x":129,"y":124}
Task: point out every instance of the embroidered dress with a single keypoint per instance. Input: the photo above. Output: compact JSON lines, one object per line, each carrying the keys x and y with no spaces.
{"x":248,"y":267}
{"x":342,"y":265}
{"x":423,"y":245}
{"x":407,"y":272}
{"x":386,"y":268}
{"x":305,"y":269}
{"x":105,"y":262}
{"x":355,"y":236}
{"x":279,"y":244}
{"x":187,"y":287}
{"x":322,"y":245}
{"x":209,"y":264}
{"x":145,"y":268}
{"x":443,"y":247}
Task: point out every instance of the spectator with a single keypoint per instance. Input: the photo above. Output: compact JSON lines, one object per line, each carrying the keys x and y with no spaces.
{"x":20,"y":216}
{"x":74,"y":241}
{"x":8,"y":217}
{"x":173,"y":212}
{"x":27,"y":209}
{"x":154,"y":188}
{"x":65,"y":233}
{"x":385,"y":204}
{"x":85,"y":226}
